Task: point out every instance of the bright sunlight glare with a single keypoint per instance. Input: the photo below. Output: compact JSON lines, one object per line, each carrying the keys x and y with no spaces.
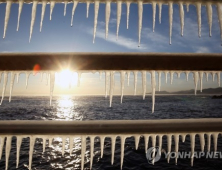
{"x":66,"y":78}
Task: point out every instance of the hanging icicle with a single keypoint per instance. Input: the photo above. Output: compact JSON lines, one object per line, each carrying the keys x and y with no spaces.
{"x":118,"y":15}
{"x":43,"y":13}
{"x":140,"y":19}
{"x":108,"y":11}
{"x":75,"y":3}
{"x":181,"y":17}
{"x":87,"y":8}
{"x":170,"y":20}
{"x":96,"y":11}
{"x":128,"y":12}
{"x":34,"y":7}
{"x":19,"y":12}
{"x":7,"y":15}
{"x":52,"y":5}
{"x":52,"y":82}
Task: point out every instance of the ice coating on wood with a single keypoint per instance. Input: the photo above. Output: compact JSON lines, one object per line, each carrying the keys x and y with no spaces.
{"x":65,"y":6}
{"x":111,"y":89}
{"x":198,"y":5}
{"x":137,"y":139}
{"x":170,"y":20}
{"x":52,"y":5}
{"x":87,"y":8}
{"x":75,"y":3}
{"x":108,"y":10}
{"x":140,"y":19}
{"x":160,"y":11}
{"x":123,"y":138}
{"x":113,"y":144}
{"x":43,"y":13}
{"x":7,"y":150}
{"x":52,"y":82}
{"x":83,"y":150}
{"x":34,"y":6}
{"x":169,"y":143}
{"x":31,"y":148}
{"x":127,"y":13}
{"x":122,"y":84}
{"x":19,"y":12}
{"x":7,"y":14}
{"x":102,"y":138}
{"x":4,"y":85}
{"x":11,"y":85}
{"x":153,"y":84}
{"x":135,"y":81}
{"x":144,"y":83}
{"x":91,"y":150}
{"x":96,"y":11}
{"x":154,"y":14}
{"x":192,"y":145}
{"x":210,"y":17}
{"x":201,"y":81}
{"x":181,"y":17}
{"x":18,"y":145}
{"x":176,"y":139}
{"x":118,"y":17}
{"x":219,"y":14}
{"x":159,"y":80}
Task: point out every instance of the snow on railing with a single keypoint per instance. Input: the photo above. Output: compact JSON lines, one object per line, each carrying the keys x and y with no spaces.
{"x":154,"y":3}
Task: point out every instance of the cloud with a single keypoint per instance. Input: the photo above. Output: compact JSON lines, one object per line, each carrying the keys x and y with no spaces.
{"x":203,"y":50}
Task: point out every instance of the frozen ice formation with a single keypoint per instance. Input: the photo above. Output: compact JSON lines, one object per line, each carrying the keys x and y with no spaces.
{"x":140,"y":3}
{"x":110,"y":81}
{"x":123,"y":138}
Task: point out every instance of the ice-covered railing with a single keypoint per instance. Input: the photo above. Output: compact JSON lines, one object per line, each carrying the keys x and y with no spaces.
{"x":154,"y":64}
{"x":154,"y":3}
{"x":149,"y":129}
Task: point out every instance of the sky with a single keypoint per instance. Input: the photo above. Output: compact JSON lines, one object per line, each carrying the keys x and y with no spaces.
{"x":58,"y":36}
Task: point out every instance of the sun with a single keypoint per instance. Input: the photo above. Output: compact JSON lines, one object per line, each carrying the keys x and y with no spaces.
{"x":66,"y":78}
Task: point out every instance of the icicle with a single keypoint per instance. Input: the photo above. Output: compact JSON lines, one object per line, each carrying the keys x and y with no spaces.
{"x":108,"y":10}
{"x":19,"y":142}
{"x":192,"y":143}
{"x":112,"y":79}
{"x":0,"y":76}
{"x":118,"y":15}
{"x":176,"y":138}
{"x":215,"y":136}
{"x":135,"y":81}
{"x":63,"y":145}
{"x":181,"y":17}
{"x":107,"y":74}
{"x":75,"y":3}
{"x":83,"y":152}
{"x":210,"y":17}
{"x":202,"y":141}
{"x":169,"y":142}
{"x":113,"y":144}
{"x":102,"y":138}
{"x":43,"y":144}
{"x":52,"y":82}
{"x":123,"y":138}
{"x":160,"y":144}
{"x":79,"y":78}
{"x":171,"y":19}
{"x":31,"y":148}
{"x":128,"y":12}
{"x":144,"y":83}
{"x":154,"y":14}
{"x":153,"y":137}
{"x":159,"y":80}
{"x":70,"y":145}
{"x":171,"y":77}
{"x":188,"y":6}
{"x":52,"y":5}
{"x":198,"y":5}
{"x":146,"y":140}
{"x":96,"y":9}
{"x":91,"y":150}
{"x":206,"y":74}
{"x":219,"y":13}
{"x":7,"y":150}
{"x":160,"y":11}
{"x":11,"y":85}
{"x":178,"y":74}
{"x":153,"y":82}
{"x":7,"y":14}
{"x":208,"y":142}
{"x":87,"y":8}
{"x":218,"y":78}
{"x":50,"y":141}
{"x":122,"y":84}
{"x":4,"y":85}
{"x":34,"y":6}
{"x":183,"y":137}
{"x":27,"y":78}
{"x":213,"y":75}
{"x":47,"y":77}
{"x":19,"y":12}
{"x":2,"y":142}
{"x":187,"y":74}
{"x":196,"y":79}
{"x":166,"y":72}
{"x":201,"y":81}
{"x":43,"y":13}
{"x":128,"y":77}
{"x":140,"y":19}
{"x":17,"y":75}
{"x":65,"y":6}
{"x":137,"y":139}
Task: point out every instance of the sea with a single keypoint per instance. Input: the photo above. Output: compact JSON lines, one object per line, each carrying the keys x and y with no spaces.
{"x":83,"y":108}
